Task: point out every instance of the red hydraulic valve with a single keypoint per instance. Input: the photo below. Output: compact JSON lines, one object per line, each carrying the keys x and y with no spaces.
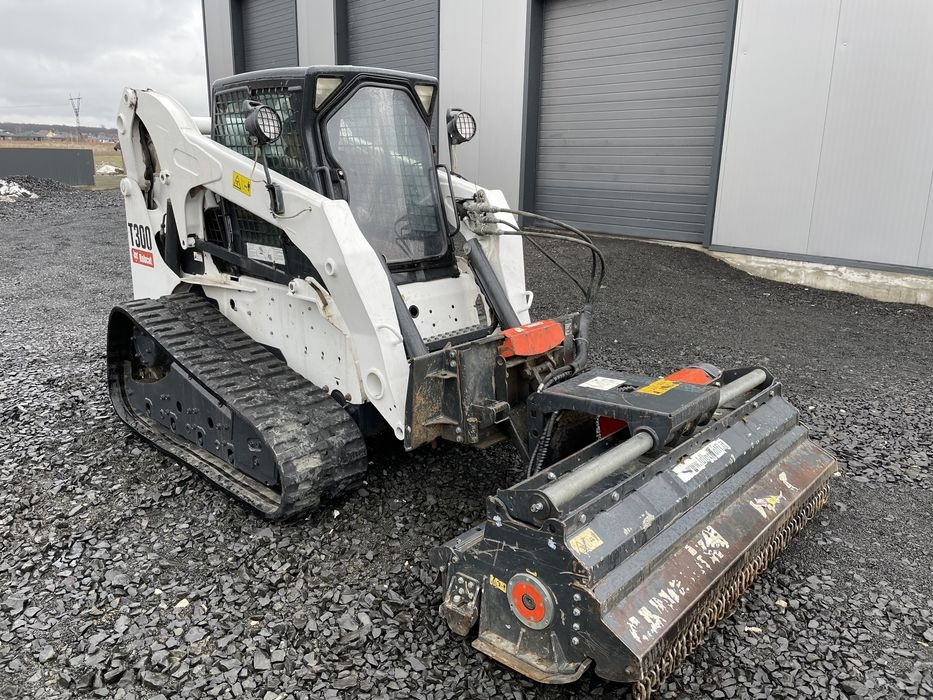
{"x":531,"y":339}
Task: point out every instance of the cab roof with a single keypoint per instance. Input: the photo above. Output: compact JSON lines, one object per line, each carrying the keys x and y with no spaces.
{"x":300,"y":74}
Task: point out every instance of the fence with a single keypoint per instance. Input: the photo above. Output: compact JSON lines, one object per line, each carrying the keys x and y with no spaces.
{"x":72,"y":166}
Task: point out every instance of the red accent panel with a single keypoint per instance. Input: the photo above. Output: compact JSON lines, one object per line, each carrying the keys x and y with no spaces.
{"x":531,"y":339}
{"x":690,"y":375}
{"x":607,"y":425}
{"x":526,"y":589}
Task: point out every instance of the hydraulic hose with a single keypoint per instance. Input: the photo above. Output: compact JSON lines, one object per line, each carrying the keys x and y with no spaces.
{"x":486,"y":223}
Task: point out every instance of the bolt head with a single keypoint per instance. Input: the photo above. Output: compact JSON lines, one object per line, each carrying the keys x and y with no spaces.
{"x":577,"y":598}
{"x":576,"y":612}
{"x":575,"y":640}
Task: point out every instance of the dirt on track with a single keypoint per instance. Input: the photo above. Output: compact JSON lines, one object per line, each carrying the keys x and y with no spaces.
{"x":123,"y":576}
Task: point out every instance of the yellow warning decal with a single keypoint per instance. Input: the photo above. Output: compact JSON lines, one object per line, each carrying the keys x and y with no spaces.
{"x":242,"y":182}
{"x":661,"y":386}
{"x":585,"y":541}
{"x":497,"y":583}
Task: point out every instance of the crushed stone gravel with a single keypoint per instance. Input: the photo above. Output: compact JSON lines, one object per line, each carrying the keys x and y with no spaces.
{"x":124,"y":576}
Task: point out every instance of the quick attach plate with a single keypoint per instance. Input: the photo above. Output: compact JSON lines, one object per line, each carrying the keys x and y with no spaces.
{"x":662,"y":407}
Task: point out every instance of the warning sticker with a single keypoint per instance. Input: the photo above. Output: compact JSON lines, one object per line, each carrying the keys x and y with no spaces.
{"x":585,"y":541}
{"x":265,"y":253}
{"x":142,"y":257}
{"x":661,"y":386}
{"x":242,"y":183}
{"x":701,"y":459}
{"x":602,"y":383}
{"x":766,"y":505}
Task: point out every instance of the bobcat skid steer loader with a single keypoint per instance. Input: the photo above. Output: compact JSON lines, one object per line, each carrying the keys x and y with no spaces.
{"x":306,"y":275}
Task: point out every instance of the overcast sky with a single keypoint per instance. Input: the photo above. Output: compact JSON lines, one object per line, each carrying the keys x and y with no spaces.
{"x":50,"y":48}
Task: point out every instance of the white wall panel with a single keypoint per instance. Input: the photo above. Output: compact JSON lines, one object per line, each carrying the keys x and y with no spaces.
{"x":925,"y":258}
{"x":828,"y":149}
{"x":482,"y":70}
{"x":316,"y":32}
{"x":778,"y":96}
{"x":218,"y":39}
{"x":877,"y":156}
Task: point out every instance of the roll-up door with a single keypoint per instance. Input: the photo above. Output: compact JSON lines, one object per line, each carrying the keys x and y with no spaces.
{"x":270,"y":34}
{"x":630,"y":116}
{"x":401,"y":35}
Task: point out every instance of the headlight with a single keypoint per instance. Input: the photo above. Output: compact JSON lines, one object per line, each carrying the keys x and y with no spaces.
{"x":461,"y":126}
{"x":262,"y":123}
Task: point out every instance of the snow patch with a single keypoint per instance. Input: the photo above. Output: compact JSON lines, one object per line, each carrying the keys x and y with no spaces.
{"x":107,"y":169}
{"x":11,"y":191}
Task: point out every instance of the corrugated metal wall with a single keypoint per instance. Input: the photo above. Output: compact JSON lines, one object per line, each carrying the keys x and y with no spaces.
{"x":401,"y":35}
{"x":630,"y":113}
{"x":270,"y":34}
{"x":73,"y":166}
{"x":828,"y":148}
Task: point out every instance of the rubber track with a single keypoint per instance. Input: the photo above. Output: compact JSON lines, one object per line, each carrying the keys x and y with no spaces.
{"x":319,"y":449}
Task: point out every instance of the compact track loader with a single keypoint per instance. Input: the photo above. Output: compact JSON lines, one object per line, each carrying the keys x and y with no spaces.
{"x":306,"y":275}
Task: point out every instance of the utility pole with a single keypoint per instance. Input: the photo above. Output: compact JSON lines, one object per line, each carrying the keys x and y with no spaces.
{"x":76,"y":106}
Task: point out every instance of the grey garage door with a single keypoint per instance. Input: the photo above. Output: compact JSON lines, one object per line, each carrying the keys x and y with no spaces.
{"x":270,"y":33}
{"x":401,"y":35}
{"x":631,"y":114}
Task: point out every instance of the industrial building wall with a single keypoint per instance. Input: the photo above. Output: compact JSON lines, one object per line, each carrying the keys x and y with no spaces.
{"x":307,"y":38}
{"x":482,"y":70}
{"x":828,"y":145}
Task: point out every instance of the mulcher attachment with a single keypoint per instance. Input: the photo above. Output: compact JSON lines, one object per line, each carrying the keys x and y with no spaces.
{"x":622,"y":555}
{"x":198,"y":388}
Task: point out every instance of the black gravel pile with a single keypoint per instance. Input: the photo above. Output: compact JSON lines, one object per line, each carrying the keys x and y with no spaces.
{"x":123,"y":576}
{"x":51,"y":194}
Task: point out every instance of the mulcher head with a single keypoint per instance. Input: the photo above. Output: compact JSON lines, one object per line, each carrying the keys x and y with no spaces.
{"x":622,"y":555}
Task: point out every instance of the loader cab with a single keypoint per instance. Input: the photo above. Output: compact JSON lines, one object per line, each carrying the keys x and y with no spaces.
{"x":359,"y":134}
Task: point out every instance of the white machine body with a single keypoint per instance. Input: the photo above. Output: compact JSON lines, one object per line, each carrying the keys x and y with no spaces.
{"x":344,"y":337}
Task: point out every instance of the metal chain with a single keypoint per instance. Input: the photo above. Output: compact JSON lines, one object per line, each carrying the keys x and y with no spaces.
{"x":671,"y":653}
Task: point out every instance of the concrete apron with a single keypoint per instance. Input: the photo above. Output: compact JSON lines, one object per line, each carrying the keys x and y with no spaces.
{"x":882,"y":285}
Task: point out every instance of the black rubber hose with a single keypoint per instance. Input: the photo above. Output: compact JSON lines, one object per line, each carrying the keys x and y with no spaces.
{"x":543,"y":446}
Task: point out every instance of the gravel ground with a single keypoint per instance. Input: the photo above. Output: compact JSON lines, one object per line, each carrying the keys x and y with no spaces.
{"x":123,"y":576}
